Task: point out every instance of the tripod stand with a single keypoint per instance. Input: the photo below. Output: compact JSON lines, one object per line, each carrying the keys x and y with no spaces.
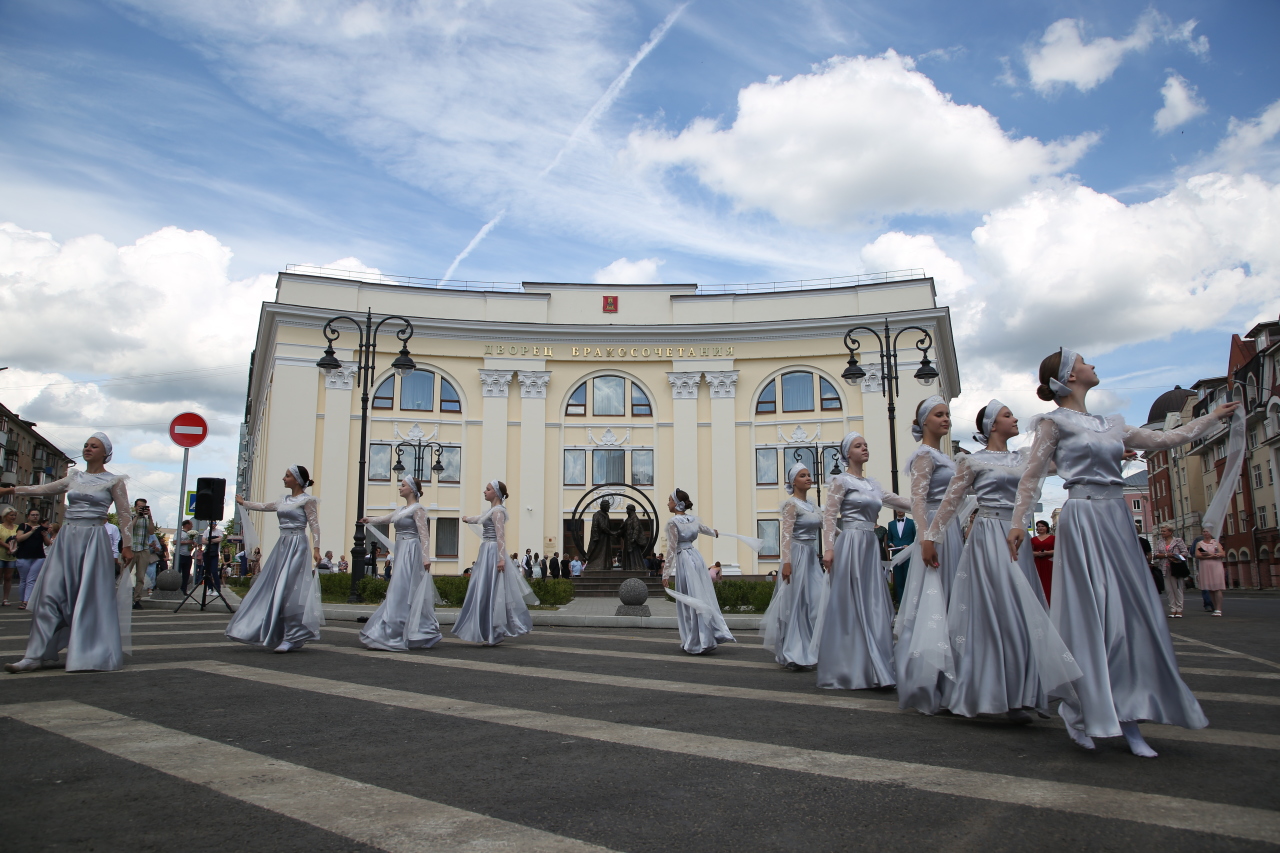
{"x":204,"y":590}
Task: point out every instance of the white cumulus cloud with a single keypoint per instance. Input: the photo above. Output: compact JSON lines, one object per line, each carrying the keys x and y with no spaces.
{"x":858,"y":137}
{"x":623,"y":271}
{"x":1181,"y":104}
{"x":156,"y":450}
{"x":1248,"y":141}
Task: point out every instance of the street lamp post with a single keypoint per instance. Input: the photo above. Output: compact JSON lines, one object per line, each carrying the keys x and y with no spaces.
{"x":366,"y":351}
{"x":437,"y":469}
{"x":889,"y":386}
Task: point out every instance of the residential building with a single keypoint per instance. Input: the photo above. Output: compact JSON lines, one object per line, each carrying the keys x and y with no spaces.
{"x":27,"y":458}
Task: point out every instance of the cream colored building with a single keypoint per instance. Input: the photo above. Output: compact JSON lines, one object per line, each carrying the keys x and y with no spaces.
{"x":539,"y":386}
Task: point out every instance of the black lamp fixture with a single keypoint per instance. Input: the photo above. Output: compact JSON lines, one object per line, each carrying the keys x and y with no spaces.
{"x":436,"y":469}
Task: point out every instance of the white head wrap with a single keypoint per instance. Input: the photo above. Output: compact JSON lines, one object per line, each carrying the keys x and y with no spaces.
{"x":297,"y":476}
{"x":1065,"y":366}
{"x":988,"y":418}
{"x":106,"y":444}
{"x":927,"y":406}
{"x":681,"y":506}
{"x":412,"y":483}
{"x":844,"y":445}
{"x":791,"y":476}
{"x":497,"y":489}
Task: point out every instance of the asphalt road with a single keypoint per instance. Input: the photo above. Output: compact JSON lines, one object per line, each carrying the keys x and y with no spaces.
{"x":589,"y":739}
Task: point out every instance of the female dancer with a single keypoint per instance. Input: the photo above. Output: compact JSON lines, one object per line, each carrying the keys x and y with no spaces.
{"x":495,"y":604}
{"x":799,"y":592}
{"x":855,"y":645}
{"x":920,"y":680}
{"x":406,"y":619}
{"x":282,"y":611}
{"x":702,"y":625}
{"x":1007,"y":655}
{"x":1104,"y":605}
{"x":78,"y":602}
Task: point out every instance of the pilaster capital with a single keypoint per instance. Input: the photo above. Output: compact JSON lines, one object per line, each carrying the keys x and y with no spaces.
{"x":533,"y":383}
{"x":342,"y":379}
{"x":684,"y":386}
{"x":723,"y":383}
{"x":493,"y":383}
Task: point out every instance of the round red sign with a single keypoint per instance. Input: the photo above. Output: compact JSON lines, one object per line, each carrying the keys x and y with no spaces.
{"x":188,"y":429}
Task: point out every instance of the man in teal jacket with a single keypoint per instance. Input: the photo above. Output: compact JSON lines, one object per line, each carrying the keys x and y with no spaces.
{"x":902,"y":532}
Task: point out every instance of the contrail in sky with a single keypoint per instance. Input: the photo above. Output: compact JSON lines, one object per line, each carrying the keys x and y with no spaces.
{"x":584,"y":127}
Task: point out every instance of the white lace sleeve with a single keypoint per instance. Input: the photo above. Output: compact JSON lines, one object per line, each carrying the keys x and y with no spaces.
{"x":424,"y":533}
{"x":313,"y":520}
{"x":499,"y":519}
{"x":256,"y":507}
{"x":895,"y":501}
{"x":786,"y":525}
{"x":1042,"y":451}
{"x":831,"y":512}
{"x":921,"y":473}
{"x":471,"y":519}
{"x":382,"y":519}
{"x":56,"y":487}
{"x":707,"y":531}
{"x":1137,"y":438}
{"x":956,"y":490}
{"x":124,"y":512}
{"x":673,"y":542}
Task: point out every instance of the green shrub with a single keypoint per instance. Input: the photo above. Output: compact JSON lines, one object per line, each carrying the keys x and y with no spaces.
{"x":453,"y":589}
{"x":373,"y":590}
{"x":552,"y":590}
{"x":337,"y":584}
{"x":737,"y":595}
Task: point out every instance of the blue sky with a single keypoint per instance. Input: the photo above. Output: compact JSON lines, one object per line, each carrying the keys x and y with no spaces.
{"x":1096,"y":174}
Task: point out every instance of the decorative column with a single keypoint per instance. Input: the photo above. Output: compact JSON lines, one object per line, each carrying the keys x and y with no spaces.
{"x":533,"y":462}
{"x":724,"y":466}
{"x":684,"y":454}
{"x":493,"y":429}
{"x":336,"y":474}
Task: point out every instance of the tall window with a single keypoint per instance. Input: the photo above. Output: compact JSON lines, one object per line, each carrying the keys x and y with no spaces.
{"x":767,"y":404}
{"x":417,"y":391}
{"x":767,"y":529}
{"x":446,"y":537}
{"x":766,"y":466}
{"x":577,"y":406}
{"x":830,"y":396}
{"x":608,"y":466}
{"x":385,"y":396}
{"x":609,"y":395}
{"x":640,"y":402}
{"x":642,"y":467}
{"x":449,"y":400}
{"x":451,"y":459}
{"x":575,"y":467}
{"x":379,"y":462}
{"x":797,"y":392}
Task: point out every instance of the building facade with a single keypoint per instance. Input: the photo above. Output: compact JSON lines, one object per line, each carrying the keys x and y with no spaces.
{"x":557,"y":389}
{"x":29,"y":459}
{"x":1136,"y":496}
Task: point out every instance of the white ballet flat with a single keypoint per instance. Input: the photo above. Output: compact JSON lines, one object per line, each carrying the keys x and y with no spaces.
{"x":284,"y":647}
{"x":24,"y":665}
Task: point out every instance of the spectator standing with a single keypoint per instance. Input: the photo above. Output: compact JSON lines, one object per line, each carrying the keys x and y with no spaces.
{"x":526,"y":563}
{"x":242,"y":560}
{"x":143,"y":529}
{"x":8,"y":561}
{"x":1213,"y":577}
{"x":113,"y":533}
{"x":211,"y":563}
{"x":1205,"y":596}
{"x":901,"y":534}
{"x":255,"y":562}
{"x":1156,"y":577}
{"x":1170,"y":555}
{"x":575,"y":567}
{"x":542,"y":566}
{"x":186,"y":538}
{"x":28,"y":547}
{"x":1042,"y":550}
{"x":554,"y":564}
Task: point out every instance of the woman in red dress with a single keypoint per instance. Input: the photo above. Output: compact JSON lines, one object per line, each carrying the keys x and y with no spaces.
{"x":1042,"y":550}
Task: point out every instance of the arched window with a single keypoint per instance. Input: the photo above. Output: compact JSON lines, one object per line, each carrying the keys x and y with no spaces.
{"x":417,"y":391}
{"x":640,"y":402}
{"x":577,"y":407}
{"x":830,"y":397}
{"x":767,"y":403}
{"x":797,"y":392}
{"x":449,"y":399}
{"x":384,"y":397}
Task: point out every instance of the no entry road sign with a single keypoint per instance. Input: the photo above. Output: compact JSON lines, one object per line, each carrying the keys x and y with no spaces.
{"x":188,"y":429}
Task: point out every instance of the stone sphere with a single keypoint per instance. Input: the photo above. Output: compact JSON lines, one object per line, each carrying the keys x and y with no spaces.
{"x":633,"y":592}
{"x":168,"y":580}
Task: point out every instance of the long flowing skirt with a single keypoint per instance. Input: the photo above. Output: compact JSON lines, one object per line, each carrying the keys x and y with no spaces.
{"x":788,"y":624}
{"x":283,"y":603}
{"x":1007,"y":653}
{"x":920,"y":681}
{"x":855,"y":646}
{"x":76,"y":602}
{"x":702,"y":625}
{"x":494,"y":608}
{"x":406,"y":619}
{"x":1109,"y":615}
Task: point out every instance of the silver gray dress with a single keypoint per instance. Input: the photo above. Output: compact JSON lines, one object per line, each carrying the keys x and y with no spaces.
{"x":283,"y":603}
{"x":406,"y":619}
{"x":997,"y":617}
{"x":788,"y":624}
{"x":920,"y":682}
{"x":1104,"y":605}
{"x":75,"y":603}
{"x":702,"y":626}
{"x":855,"y":646}
{"x":495,"y":607}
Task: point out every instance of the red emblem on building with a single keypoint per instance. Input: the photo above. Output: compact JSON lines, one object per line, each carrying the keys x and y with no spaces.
{"x":611,"y":305}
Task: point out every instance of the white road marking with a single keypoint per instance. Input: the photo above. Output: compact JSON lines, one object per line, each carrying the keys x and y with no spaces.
{"x":1232,"y":652}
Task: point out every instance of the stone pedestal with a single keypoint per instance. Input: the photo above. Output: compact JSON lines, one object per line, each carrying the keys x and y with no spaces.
{"x":633,"y":593}
{"x":168,"y":586}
